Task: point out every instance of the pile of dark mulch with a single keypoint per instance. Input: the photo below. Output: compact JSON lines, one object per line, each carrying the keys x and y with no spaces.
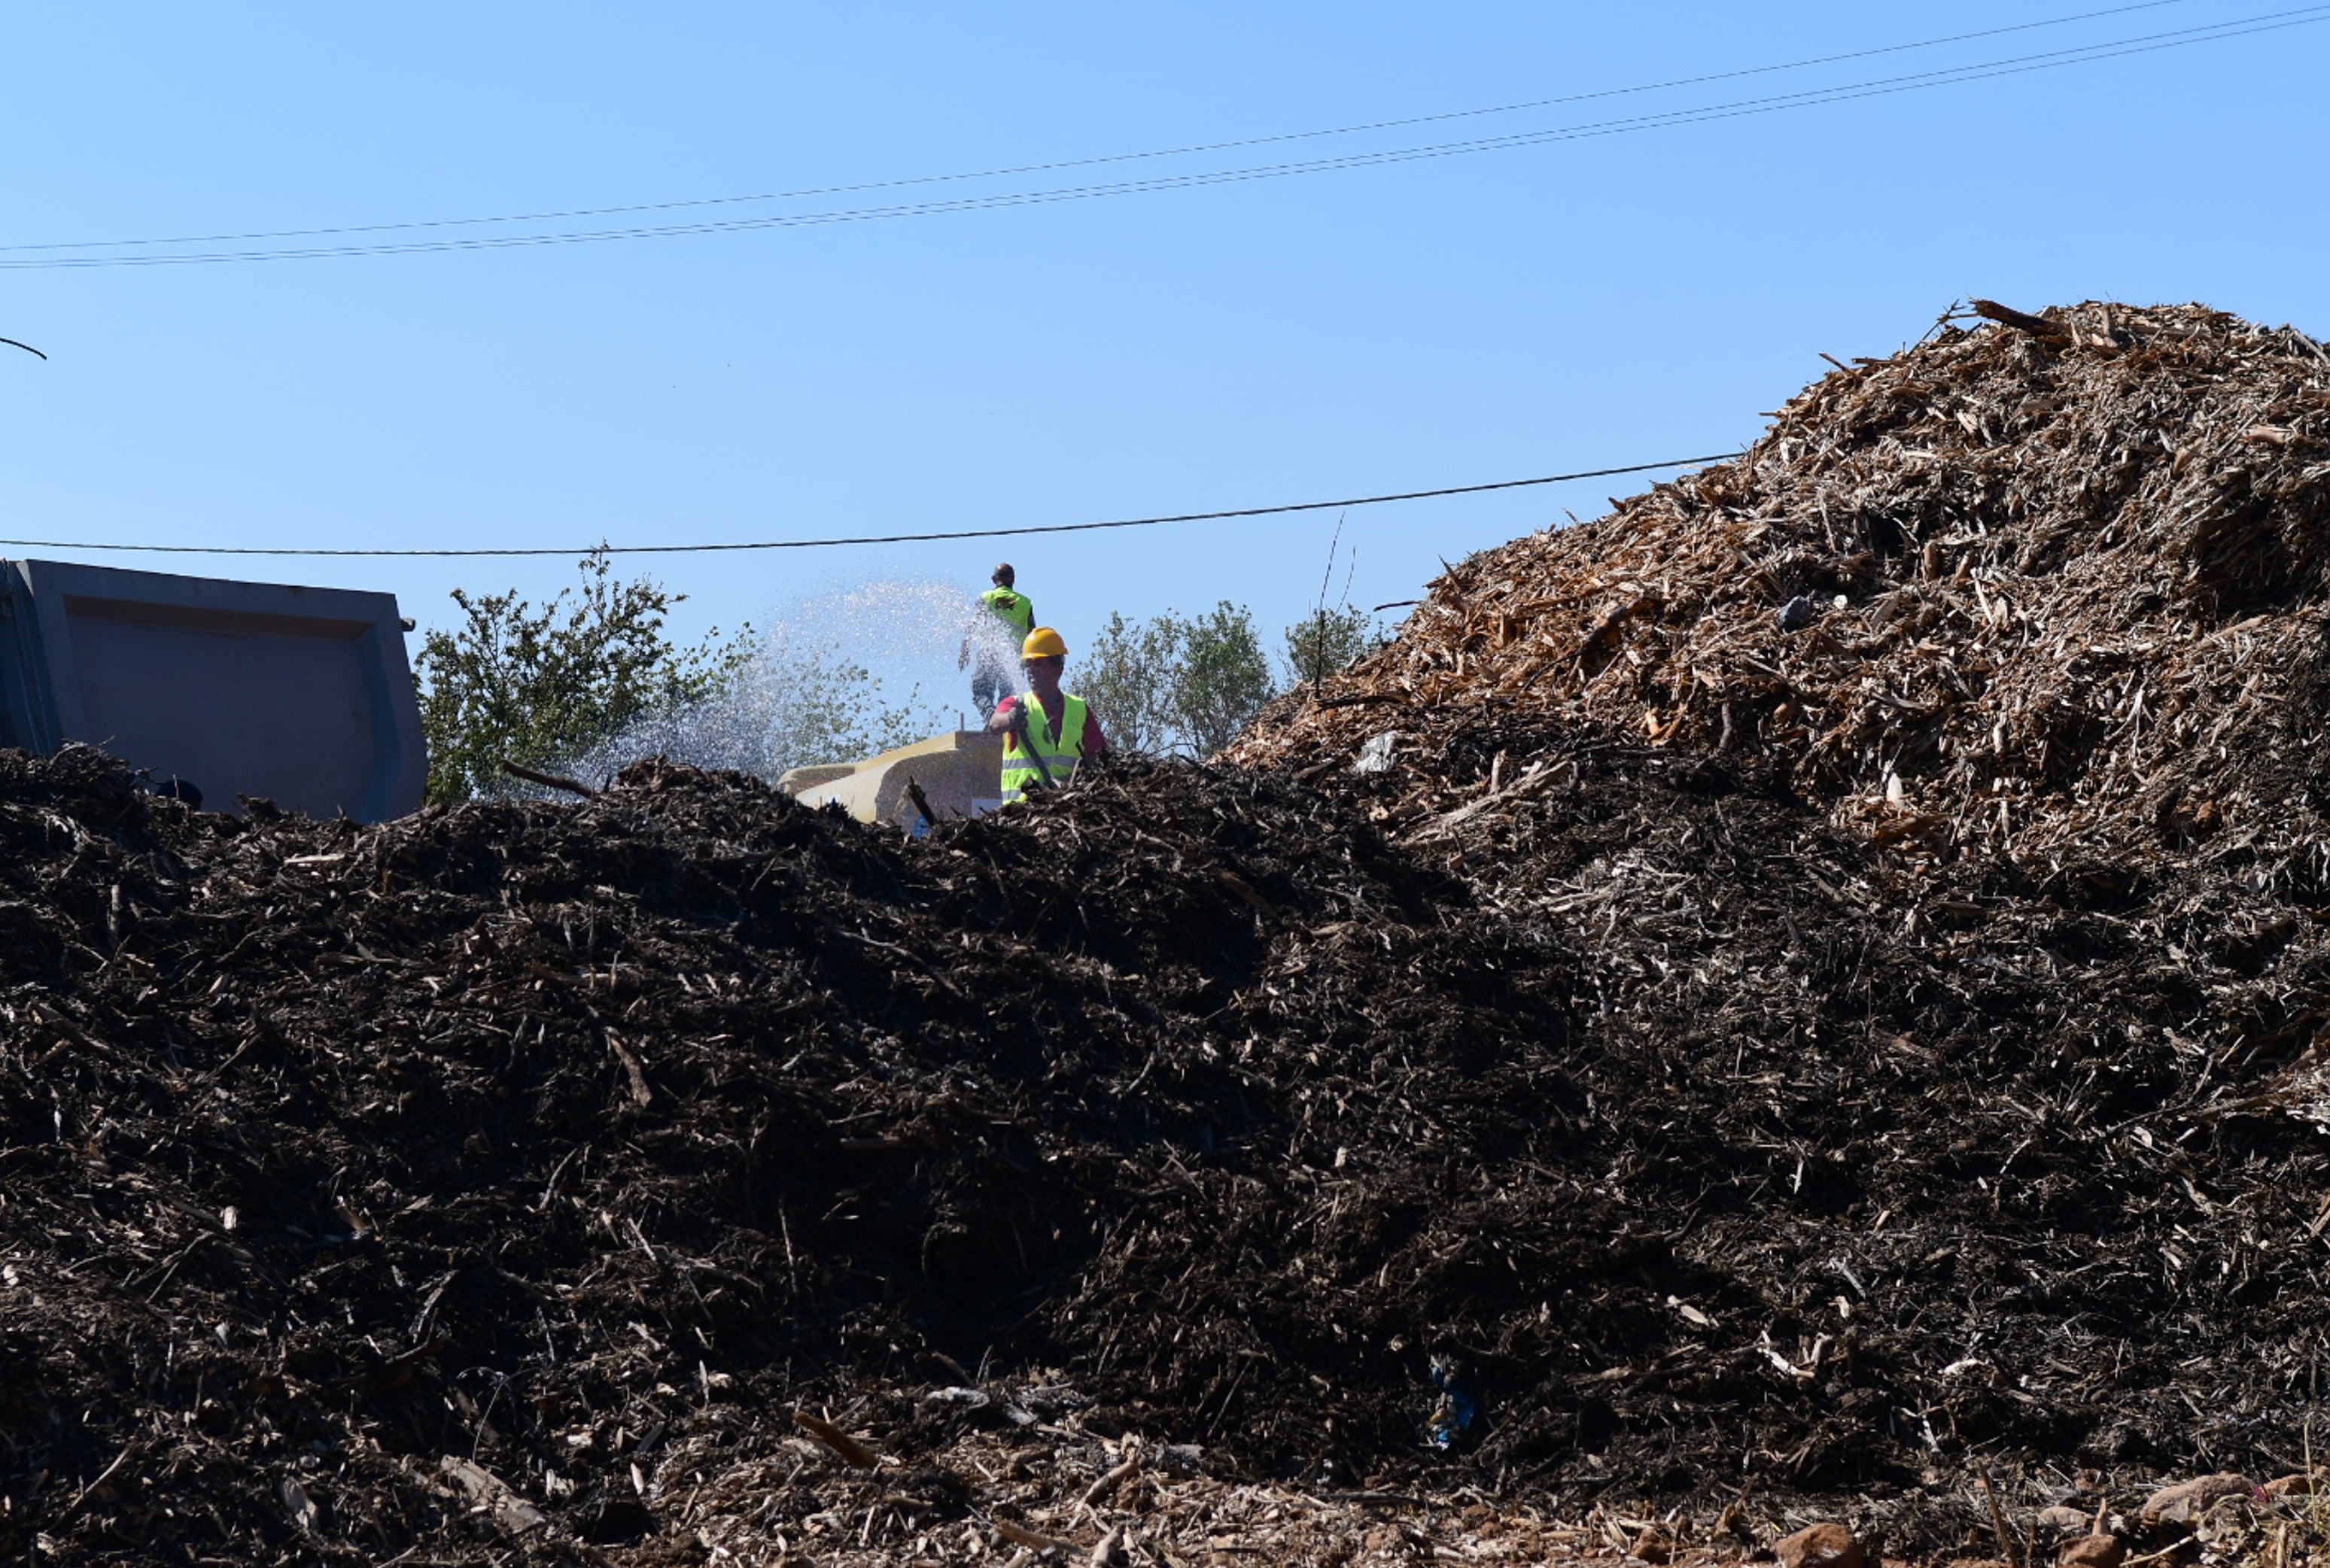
{"x":1932,"y":800}
{"x":1725,"y":1039}
{"x":509,"y":1174}
{"x":1989,"y":1160}
{"x":529,"y":1135}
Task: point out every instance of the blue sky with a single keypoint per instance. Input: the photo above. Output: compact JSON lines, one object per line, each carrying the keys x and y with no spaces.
{"x":1444,"y":321}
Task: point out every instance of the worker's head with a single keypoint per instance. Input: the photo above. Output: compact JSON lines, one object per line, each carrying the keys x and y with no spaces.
{"x":1004,"y":576}
{"x":1045,"y":655}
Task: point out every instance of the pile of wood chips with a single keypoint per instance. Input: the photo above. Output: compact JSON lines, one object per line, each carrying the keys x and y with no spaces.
{"x":1095,"y":1501}
{"x":830,"y":1500}
{"x":2039,"y":589}
{"x":1775,"y":1061}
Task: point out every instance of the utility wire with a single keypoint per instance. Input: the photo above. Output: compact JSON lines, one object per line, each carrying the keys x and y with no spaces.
{"x":557,"y":215}
{"x":886,"y":538}
{"x":1882,"y":87}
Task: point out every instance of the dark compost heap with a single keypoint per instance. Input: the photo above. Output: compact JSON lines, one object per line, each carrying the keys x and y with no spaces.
{"x":1873,"y":1062}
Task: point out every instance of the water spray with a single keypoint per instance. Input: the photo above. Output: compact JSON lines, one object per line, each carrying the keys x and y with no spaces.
{"x":815,"y":683}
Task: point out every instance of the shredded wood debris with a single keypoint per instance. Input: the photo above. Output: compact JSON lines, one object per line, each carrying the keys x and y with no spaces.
{"x":1680,"y":1068}
{"x":2058,"y":596}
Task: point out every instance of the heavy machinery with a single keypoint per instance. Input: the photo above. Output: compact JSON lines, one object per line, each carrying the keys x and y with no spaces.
{"x":958,"y":774}
{"x":300,"y":695}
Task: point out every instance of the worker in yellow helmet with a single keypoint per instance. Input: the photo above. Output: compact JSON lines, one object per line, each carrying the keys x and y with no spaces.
{"x":1046,"y":731}
{"x":1004,"y":613}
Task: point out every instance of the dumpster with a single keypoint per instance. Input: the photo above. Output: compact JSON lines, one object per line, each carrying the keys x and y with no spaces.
{"x":301,"y":696}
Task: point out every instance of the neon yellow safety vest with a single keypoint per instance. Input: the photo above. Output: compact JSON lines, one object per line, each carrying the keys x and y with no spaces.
{"x":1014,"y":609}
{"x":1061,"y":756}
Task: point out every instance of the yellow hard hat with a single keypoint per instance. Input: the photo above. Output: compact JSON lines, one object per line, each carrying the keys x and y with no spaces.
{"x":1042,"y":643}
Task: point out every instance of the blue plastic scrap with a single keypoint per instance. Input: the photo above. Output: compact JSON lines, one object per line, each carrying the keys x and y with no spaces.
{"x":1454,"y":1410}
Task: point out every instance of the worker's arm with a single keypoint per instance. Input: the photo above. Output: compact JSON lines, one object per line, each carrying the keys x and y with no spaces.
{"x":1005,"y":718}
{"x":1095,"y":743}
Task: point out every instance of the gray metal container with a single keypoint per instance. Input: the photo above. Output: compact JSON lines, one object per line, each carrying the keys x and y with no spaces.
{"x":302,"y":695}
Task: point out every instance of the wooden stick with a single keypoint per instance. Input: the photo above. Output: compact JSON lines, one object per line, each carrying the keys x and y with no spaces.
{"x":548,"y":781}
{"x":2037,"y":325}
{"x":1020,"y":1536}
{"x":1110,"y":1482}
{"x":103,"y":1476}
{"x":1998,"y":1515}
{"x":74,"y":1032}
{"x":834,"y":1437}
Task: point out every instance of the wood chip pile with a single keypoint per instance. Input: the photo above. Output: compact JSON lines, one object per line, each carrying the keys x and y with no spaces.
{"x":2042,"y":589}
{"x":1713,"y":1078}
{"x":502,"y":1178}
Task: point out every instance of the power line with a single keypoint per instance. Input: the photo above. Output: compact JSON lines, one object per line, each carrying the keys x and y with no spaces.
{"x":885,"y":538}
{"x":1057,"y":165}
{"x":2051,"y":60}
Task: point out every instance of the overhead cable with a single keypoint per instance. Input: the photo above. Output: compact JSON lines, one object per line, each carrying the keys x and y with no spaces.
{"x":1055,"y":165}
{"x":2051,"y":60}
{"x":874,"y":538}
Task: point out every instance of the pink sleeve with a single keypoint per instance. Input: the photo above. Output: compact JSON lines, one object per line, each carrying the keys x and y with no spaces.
{"x":1094,"y":742}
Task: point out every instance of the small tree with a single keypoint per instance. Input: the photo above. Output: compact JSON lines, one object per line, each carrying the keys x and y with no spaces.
{"x":1172,"y":684}
{"x":1127,"y":676}
{"x":534,"y":686}
{"x":1325,"y":640}
{"x":1223,"y":678}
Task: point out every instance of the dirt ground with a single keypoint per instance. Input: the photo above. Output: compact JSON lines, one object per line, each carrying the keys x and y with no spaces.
{"x":1576,"y":1136}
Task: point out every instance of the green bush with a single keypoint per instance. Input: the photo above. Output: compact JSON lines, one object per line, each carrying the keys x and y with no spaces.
{"x":536,"y":686}
{"x":1175,"y":685}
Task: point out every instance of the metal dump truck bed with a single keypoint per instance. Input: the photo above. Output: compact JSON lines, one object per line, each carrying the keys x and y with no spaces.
{"x":302,"y":695}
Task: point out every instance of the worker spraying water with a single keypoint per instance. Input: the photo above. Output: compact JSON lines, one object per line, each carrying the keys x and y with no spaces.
{"x":1047,"y":731}
{"x":801,"y":712}
{"x":1036,"y":739}
{"x":1005,"y":617}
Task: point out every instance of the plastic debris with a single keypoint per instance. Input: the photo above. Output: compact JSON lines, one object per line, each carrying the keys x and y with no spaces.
{"x":1453,"y":1414}
{"x":1375,"y":756}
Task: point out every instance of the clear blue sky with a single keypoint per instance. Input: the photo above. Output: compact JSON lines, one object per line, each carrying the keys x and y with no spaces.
{"x":1444,"y":321}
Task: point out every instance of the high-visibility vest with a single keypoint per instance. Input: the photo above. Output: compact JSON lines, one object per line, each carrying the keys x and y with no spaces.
{"x":1061,"y":756}
{"x":1014,"y":609}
